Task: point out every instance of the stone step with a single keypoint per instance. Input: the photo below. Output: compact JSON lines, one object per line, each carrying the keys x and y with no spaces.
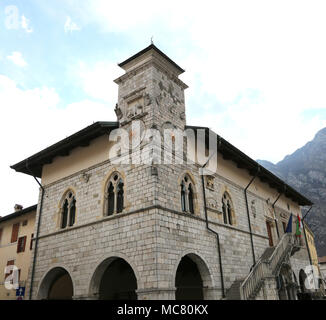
{"x":234,"y":291}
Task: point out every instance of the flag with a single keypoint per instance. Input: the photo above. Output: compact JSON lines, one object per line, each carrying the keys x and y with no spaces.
{"x":299,"y":227}
{"x":289,"y":226}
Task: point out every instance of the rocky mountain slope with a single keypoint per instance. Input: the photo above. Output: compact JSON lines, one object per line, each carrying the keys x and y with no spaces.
{"x":305,"y":170}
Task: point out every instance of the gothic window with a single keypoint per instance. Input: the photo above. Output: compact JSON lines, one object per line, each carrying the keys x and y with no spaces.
{"x":187,"y":195}
{"x":227,"y":209}
{"x":183,"y":196}
{"x":114,"y":195}
{"x":68,"y":210}
{"x":191,"y":199}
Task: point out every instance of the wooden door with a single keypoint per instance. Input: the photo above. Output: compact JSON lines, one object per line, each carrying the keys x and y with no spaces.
{"x":269,"y":232}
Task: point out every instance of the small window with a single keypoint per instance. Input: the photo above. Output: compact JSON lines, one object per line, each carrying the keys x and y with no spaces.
{"x":0,"y":235}
{"x":21,"y":244}
{"x":187,"y":195}
{"x":227,"y":209}
{"x":284,"y":226}
{"x":25,"y":223}
{"x":114,"y":195}
{"x":68,"y":210}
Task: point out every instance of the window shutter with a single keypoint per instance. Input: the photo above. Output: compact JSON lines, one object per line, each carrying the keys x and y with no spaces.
{"x":24,"y":243}
{"x":9,"y":263}
{"x":14,"y":233}
{"x":0,"y":235}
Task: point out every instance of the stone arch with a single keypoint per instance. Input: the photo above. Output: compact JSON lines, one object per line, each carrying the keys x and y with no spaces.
{"x":52,"y":276}
{"x":205,"y":273}
{"x":287,"y":288}
{"x":102,"y":266}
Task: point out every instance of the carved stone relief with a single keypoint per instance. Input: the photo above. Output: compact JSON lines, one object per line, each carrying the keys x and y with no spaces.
{"x":210,"y":182}
{"x":253,"y":208}
{"x":212,"y":204}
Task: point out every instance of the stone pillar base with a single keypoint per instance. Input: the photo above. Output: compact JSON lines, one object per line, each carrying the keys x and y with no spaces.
{"x":86,"y":297}
{"x":156,"y":294}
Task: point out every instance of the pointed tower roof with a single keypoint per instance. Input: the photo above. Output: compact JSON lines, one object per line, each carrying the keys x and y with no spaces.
{"x":151,"y":49}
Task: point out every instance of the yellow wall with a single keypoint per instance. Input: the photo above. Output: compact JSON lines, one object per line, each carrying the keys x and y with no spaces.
{"x":8,"y":251}
{"x":311,"y":245}
{"x":79,"y":159}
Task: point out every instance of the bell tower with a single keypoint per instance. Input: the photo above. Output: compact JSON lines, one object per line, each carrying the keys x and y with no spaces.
{"x":151,"y":91}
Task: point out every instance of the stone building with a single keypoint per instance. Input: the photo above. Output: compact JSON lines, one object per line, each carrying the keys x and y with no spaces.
{"x":118,"y":223}
{"x":16,"y":233}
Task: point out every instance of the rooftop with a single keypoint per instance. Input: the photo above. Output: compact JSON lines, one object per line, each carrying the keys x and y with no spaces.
{"x":155,"y":49}
{"x":19,"y":213}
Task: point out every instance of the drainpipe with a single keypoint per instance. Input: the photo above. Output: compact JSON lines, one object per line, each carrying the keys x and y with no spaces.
{"x":211,"y":230}
{"x":37,"y":231}
{"x":248,"y":214}
{"x":273,"y":205}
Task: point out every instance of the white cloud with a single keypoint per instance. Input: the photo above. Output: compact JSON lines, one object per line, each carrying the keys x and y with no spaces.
{"x":96,"y":79}
{"x":17,"y":58}
{"x":70,"y":26}
{"x":25,"y":24}
{"x":30,"y":122}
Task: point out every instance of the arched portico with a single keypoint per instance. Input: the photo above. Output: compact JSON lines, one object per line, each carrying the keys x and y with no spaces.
{"x":57,"y":284}
{"x":113,"y":279}
{"x":192,"y":278}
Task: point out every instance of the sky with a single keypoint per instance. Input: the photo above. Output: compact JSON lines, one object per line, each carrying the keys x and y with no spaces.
{"x":256,"y":72}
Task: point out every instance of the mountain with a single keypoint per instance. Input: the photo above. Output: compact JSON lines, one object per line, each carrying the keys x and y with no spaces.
{"x":305,"y":170}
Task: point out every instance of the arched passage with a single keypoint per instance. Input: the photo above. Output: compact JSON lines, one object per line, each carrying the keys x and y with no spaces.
{"x":114,"y":279}
{"x":302,"y":279}
{"x":56,"y":285}
{"x":191,"y":279}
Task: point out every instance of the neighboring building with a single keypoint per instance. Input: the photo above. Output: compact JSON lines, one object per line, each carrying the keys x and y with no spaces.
{"x":322,"y":267}
{"x":111,"y":228}
{"x":314,"y":260}
{"x":16,"y":233}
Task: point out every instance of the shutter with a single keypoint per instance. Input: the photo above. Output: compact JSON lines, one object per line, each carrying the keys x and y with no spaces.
{"x":24,"y":243}
{"x":0,"y":235}
{"x":14,"y":234}
{"x":9,"y":263}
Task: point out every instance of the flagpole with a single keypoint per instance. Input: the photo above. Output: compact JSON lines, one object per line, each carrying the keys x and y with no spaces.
{"x":307,"y":213}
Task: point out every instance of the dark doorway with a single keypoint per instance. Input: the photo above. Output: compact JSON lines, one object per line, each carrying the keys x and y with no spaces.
{"x":302,"y":279}
{"x":188,"y":281}
{"x":269,"y":232}
{"x":61,"y":288}
{"x":118,"y":282}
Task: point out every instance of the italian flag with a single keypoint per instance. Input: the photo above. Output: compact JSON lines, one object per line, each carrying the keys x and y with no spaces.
{"x":299,"y":227}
